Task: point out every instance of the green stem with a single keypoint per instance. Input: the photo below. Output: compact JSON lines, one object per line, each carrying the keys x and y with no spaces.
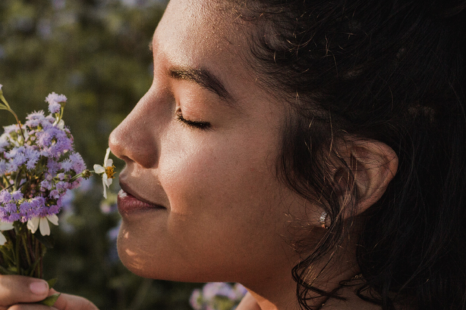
{"x":81,"y":174}
{"x":8,"y":108}
{"x":4,"y":271}
{"x":37,"y":258}
{"x":33,"y":268}
{"x":26,"y":249}
{"x":18,"y":178}
{"x":18,"y":245}
{"x":5,"y":102}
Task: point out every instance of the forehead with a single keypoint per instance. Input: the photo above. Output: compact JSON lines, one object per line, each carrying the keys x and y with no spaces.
{"x":204,"y":34}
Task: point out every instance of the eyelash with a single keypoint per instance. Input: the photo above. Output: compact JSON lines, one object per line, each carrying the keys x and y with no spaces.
{"x":198,"y":125}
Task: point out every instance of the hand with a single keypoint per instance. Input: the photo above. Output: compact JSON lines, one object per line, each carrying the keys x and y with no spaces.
{"x":17,"y":291}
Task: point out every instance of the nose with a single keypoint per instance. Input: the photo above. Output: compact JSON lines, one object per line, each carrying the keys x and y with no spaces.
{"x":136,"y":139}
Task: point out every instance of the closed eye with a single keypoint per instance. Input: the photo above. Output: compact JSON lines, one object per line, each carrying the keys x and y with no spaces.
{"x":195,"y":124}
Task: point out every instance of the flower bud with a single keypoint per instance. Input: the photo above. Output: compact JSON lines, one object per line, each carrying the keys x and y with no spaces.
{"x":86,"y":174}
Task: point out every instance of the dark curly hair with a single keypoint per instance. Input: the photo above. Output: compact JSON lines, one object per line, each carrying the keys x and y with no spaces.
{"x":392,"y":71}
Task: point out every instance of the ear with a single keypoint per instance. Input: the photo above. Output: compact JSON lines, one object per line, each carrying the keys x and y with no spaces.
{"x":373,"y":165}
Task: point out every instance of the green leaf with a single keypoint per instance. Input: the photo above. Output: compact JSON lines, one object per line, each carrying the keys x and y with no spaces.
{"x":47,"y":241}
{"x":50,"y":301}
{"x":52,"y":282}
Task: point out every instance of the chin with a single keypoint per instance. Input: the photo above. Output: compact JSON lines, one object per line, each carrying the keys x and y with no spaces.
{"x":142,"y":263}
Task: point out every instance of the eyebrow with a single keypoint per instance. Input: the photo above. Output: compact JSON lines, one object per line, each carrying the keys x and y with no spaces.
{"x":204,"y":78}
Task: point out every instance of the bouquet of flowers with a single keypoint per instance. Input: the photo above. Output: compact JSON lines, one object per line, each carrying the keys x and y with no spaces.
{"x":217,"y":296}
{"x":38,"y":165}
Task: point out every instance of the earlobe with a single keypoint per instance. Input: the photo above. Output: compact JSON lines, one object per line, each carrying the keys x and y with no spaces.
{"x":370,"y":166}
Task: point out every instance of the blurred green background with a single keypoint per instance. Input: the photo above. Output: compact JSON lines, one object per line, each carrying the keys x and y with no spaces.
{"x":96,"y":53}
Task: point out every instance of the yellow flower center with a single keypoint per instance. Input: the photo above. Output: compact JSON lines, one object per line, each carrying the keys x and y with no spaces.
{"x":110,"y":171}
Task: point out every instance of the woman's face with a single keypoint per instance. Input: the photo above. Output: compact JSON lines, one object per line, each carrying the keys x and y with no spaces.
{"x":202,"y":145}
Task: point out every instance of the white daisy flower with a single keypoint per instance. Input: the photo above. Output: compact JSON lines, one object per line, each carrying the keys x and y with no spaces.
{"x":43,"y":224}
{"x":107,"y":171}
{"x":3,"y":227}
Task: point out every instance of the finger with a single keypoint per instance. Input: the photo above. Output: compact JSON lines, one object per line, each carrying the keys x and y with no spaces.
{"x":31,"y":307}
{"x":19,"y":289}
{"x":68,"y":302}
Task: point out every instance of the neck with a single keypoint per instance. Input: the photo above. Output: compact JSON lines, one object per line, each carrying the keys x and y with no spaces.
{"x":277,"y":291}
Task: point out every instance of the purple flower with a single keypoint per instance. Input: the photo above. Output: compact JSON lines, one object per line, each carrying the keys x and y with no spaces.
{"x":31,"y":164}
{"x":51,"y":133}
{"x":45,"y":137}
{"x":3,"y":167}
{"x":54,"y":194}
{"x":53,"y":210}
{"x":11,"y":207}
{"x":3,"y":143}
{"x":211,"y":289}
{"x":76,"y":183}
{"x":48,"y":121}
{"x":11,"y":167}
{"x":5,"y":196}
{"x":196,"y":300}
{"x":45,"y":185}
{"x":25,"y":207}
{"x":19,"y":159}
{"x":9,"y":129}
{"x":35,"y":119}
{"x":32,"y":213}
{"x":61,"y":186}
{"x":15,"y":151}
{"x":53,"y":166}
{"x":32,"y":157}
{"x":36,"y":116}
{"x":53,"y":97}
{"x":54,"y":107}
{"x":45,"y":153}
{"x":78,"y":162}
{"x":66,"y":165}
{"x":43,"y":211}
{"x":14,"y":217}
{"x":17,"y":195}
{"x":38,"y":202}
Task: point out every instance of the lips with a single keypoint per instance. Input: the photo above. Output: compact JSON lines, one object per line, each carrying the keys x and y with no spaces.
{"x":129,"y":202}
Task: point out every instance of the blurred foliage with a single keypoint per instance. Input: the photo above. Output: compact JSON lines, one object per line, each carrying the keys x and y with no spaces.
{"x":96,"y":53}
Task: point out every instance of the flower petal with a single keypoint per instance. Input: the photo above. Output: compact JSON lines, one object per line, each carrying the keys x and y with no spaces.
{"x":2,"y":239}
{"x":107,"y":154}
{"x":53,"y":219}
{"x":99,"y":169}
{"x":44,"y":227}
{"x":5,"y":226}
{"x":33,"y":224}
{"x":108,"y":162}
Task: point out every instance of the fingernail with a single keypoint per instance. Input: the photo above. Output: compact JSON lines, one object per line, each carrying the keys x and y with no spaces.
{"x":39,"y":287}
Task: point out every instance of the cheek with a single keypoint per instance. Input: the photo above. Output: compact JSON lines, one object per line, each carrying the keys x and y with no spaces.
{"x":209,"y":176}
{"x":223,"y":199}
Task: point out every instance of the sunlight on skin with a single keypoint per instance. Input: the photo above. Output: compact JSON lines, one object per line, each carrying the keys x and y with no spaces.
{"x":226,"y":217}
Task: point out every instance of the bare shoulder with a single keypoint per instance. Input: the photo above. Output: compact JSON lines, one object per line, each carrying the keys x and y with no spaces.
{"x":248,"y":303}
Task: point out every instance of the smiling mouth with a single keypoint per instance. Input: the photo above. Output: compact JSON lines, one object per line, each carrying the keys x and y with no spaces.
{"x":129,"y":202}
